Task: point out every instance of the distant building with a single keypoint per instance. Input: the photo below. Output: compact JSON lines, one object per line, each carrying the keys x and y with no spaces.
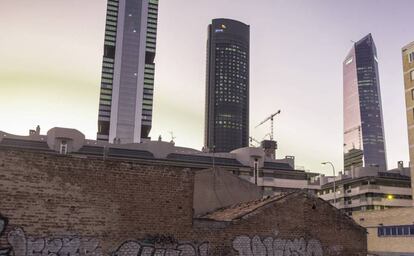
{"x":390,"y":232}
{"x":227,"y":86}
{"x":363,"y":122}
{"x":127,"y":83}
{"x":353,"y":158}
{"x":408,"y":69}
{"x":273,"y":176}
{"x":367,"y":188}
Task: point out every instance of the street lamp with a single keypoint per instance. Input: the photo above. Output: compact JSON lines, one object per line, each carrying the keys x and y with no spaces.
{"x":334,"y":186}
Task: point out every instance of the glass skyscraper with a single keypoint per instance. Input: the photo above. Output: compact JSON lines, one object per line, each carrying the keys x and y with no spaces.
{"x":127,"y":83}
{"x":227,"y":86}
{"x":363,"y":122}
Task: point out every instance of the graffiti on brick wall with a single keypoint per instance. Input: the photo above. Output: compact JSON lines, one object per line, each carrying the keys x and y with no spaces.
{"x":270,"y":246}
{"x":134,"y":248}
{"x":158,"y":245}
{"x":23,"y":245}
{"x":3,"y":224}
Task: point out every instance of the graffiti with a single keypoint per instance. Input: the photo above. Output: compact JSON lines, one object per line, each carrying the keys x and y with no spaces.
{"x":68,"y":246}
{"x":135,"y":248}
{"x":3,"y":224}
{"x":22,"y":245}
{"x":335,"y":250}
{"x":269,"y":246}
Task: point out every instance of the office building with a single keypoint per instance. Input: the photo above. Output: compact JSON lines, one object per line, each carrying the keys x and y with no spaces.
{"x":363,"y":122}
{"x":391,"y":231}
{"x":227,"y":86}
{"x":127,"y":83}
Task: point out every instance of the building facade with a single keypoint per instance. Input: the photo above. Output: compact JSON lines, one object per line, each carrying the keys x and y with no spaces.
{"x":389,"y":232}
{"x":363,"y":122}
{"x":408,"y":69}
{"x":367,"y":188}
{"x":353,"y":158}
{"x":227,"y":86}
{"x":127,"y":83}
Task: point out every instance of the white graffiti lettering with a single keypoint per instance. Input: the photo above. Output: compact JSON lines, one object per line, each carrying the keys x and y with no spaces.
{"x":269,"y":246}
{"x":136,"y":248}
{"x":29,"y":246}
{"x":21,"y":245}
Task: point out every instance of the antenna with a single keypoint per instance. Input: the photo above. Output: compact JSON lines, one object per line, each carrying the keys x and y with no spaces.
{"x":172,"y":136}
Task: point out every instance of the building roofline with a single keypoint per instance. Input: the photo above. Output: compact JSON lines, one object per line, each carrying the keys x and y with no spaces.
{"x":262,"y":203}
{"x":408,"y":46}
{"x":232,"y":20}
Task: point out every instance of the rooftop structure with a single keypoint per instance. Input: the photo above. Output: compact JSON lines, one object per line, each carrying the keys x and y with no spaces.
{"x":272,"y":175}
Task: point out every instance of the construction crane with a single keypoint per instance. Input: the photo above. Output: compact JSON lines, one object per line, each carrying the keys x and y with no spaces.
{"x":271,"y":123}
{"x":359,"y":134}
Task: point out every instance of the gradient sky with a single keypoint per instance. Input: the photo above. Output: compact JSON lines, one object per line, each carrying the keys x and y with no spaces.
{"x":51,"y":54}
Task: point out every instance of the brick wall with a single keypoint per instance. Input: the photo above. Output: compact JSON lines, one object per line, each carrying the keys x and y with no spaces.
{"x":69,"y":206}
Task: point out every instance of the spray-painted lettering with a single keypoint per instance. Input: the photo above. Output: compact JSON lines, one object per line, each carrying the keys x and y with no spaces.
{"x":270,"y":246}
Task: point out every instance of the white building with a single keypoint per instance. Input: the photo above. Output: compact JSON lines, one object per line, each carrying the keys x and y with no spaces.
{"x":367,"y":188}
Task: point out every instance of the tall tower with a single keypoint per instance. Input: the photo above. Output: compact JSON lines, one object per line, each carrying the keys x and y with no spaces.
{"x":227,"y":86}
{"x":408,"y":68}
{"x":127,"y":83}
{"x":363,"y":123}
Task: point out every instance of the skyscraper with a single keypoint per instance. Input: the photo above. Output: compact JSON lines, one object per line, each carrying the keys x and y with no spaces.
{"x":127,"y":83}
{"x":408,"y":68}
{"x":363,"y":123}
{"x":227,"y":86}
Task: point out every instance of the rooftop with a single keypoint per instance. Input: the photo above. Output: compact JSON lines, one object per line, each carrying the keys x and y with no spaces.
{"x":75,"y":144}
{"x":240,"y":210}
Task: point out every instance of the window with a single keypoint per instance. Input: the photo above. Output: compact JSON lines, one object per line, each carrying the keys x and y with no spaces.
{"x":412,"y":75}
{"x":412,"y":94}
{"x":349,"y":61}
{"x":403,"y":230}
{"x":411,"y":57}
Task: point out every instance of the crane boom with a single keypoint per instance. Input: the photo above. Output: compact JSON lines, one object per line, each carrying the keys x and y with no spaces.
{"x":271,"y":123}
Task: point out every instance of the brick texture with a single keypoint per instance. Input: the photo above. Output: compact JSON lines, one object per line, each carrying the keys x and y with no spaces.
{"x":133,"y":209}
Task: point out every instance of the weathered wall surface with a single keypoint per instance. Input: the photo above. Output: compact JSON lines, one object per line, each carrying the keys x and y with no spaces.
{"x":52,"y":195}
{"x":54,"y":205}
{"x":218,"y":188}
{"x":295,"y":225}
{"x":385,"y":218}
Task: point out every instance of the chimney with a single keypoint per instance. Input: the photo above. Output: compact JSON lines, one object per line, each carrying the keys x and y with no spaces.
{"x":401,"y":165}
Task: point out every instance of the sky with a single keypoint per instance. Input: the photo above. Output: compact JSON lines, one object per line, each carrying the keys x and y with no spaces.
{"x":51,"y":55}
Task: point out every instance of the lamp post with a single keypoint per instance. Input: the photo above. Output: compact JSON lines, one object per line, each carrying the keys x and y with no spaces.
{"x":334,"y":186}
